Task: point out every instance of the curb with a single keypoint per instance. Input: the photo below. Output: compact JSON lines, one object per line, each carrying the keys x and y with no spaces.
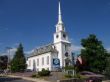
{"x":106,"y":81}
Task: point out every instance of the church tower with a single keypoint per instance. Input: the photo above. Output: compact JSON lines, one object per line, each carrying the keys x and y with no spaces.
{"x":61,"y":41}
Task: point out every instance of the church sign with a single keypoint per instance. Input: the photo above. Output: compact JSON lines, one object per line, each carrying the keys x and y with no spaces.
{"x":56,"y":62}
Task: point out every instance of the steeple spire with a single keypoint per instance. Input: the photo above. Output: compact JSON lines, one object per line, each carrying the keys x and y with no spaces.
{"x":59,"y":14}
{"x":60,"y":25}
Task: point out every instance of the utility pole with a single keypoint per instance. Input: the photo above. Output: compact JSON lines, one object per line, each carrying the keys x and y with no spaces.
{"x":9,"y":59}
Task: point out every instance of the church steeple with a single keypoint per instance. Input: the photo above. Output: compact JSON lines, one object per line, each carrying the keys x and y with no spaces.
{"x":60,"y":35}
{"x":59,"y":14}
{"x":61,"y":40}
{"x":60,"y":25}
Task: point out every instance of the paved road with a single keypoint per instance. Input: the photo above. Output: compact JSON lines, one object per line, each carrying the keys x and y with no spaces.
{"x":8,"y":79}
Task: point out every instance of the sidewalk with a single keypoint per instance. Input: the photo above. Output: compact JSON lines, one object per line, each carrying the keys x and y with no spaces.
{"x":106,"y":81}
{"x":28,"y":78}
{"x":52,"y":78}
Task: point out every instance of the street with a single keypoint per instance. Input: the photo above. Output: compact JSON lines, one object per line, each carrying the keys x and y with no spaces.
{"x":8,"y":79}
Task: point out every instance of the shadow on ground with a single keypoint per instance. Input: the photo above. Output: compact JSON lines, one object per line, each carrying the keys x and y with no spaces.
{"x":6,"y":79}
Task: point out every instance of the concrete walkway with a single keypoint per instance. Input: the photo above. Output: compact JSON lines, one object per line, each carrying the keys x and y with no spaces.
{"x":106,"y":81}
{"x":28,"y":78}
{"x":54,"y":76}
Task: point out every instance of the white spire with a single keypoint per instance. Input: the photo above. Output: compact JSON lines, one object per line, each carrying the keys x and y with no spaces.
{"x":60,"y":25}
{"x":59,"y":14}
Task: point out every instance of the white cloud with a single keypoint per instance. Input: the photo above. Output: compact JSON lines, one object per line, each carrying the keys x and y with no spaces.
{"x":10,"y":52}
{"x":2,"y":54}
{"x":29,"y":52}
{"x":13,"y":50}
{"x":76,"y":48}
{"x":108,"y":49}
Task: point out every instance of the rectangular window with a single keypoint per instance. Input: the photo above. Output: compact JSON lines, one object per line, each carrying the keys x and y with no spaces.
{"x":65,"y":47}
{"x":34,"y":65}
{"x":37,"y":62}
{"x":29,"y":63}
{"x":42,"y":60}
{"x":47,"y":60}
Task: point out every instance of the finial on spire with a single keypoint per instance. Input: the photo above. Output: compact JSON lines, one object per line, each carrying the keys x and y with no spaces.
{"x":59,"y":14}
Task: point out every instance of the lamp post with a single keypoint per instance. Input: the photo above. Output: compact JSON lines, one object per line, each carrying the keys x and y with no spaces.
{"x":9,"y":60}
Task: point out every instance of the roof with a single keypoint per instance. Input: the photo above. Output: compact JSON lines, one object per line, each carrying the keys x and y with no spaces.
{"x":43,"y":49}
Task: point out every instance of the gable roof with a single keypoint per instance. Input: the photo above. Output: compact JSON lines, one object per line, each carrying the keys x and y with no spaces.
{"x":43,"y":49}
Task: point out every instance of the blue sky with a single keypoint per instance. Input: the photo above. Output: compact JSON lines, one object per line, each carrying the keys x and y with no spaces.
{"x":32,"y":22}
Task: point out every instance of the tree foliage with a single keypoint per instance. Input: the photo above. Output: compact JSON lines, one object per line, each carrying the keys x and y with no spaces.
{"x":94,"y":54}
{"x":3,"y":62}
{"x":107,"y":70}
{"x":18,"y":63}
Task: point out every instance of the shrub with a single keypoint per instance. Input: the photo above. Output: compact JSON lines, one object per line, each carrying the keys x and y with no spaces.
{"x":68,"y":76}
{"x":68,"y":68}
{"x":33,"y":75}
{"x":37,"y":76}
{"x":77,"y":76}
{"x":44,"y":72}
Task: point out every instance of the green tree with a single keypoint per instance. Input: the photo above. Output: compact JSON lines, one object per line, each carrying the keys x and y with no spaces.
{"x":107,"y":70}
{"x":94,"y":54}
{"x":18,"y":63}
{"x":3,"y":62}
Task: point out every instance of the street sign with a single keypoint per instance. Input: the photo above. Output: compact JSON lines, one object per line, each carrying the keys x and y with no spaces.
{"x":56,"y":62}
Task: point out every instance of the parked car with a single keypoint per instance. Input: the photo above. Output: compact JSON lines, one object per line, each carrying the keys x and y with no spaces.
{"x":1,"y":71}
{"x":87,"y":73}
{"x":28,"y":70}
{"x":92,"y":77}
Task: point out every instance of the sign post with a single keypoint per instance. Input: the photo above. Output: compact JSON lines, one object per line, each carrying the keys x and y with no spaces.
{"x":56,"y":65}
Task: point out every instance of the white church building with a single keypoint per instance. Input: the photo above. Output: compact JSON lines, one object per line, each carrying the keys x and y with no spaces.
{"x":60,"y":48}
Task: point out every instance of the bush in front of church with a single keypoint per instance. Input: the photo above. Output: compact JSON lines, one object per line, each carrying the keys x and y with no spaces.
{"x":68,"y":76}
{"x":44,"y":72}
